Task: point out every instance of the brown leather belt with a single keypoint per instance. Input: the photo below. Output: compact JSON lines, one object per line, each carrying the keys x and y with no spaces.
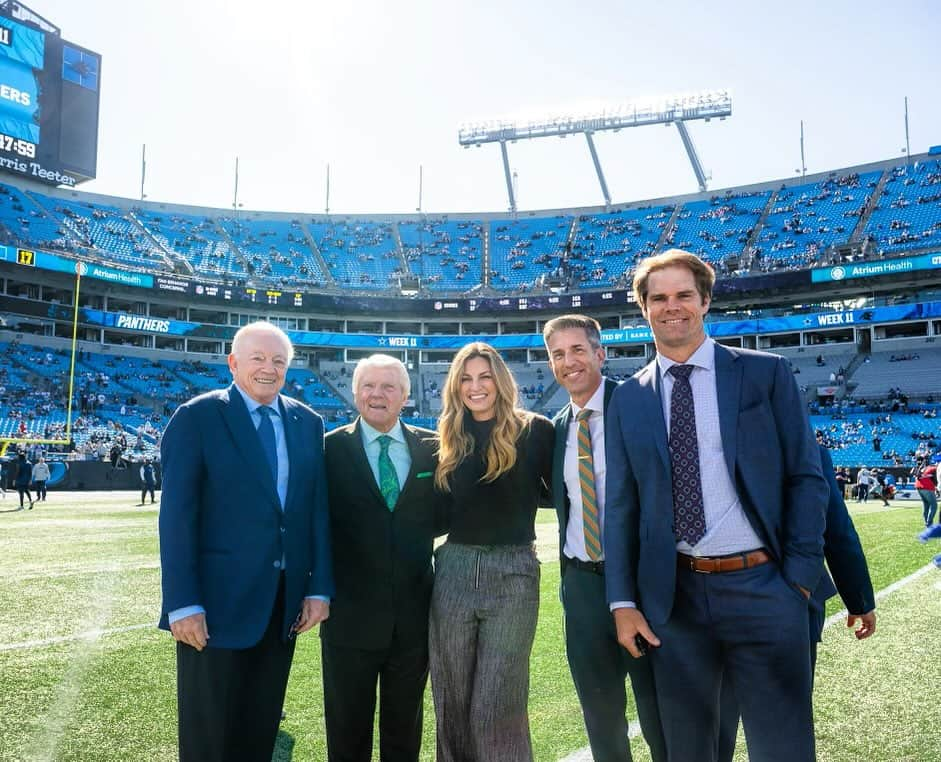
{"x":721,"y":564}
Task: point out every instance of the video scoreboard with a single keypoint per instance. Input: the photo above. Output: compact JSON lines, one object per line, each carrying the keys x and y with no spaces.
{"x":49,"y":92}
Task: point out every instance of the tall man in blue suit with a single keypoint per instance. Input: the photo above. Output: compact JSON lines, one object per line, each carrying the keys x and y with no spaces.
{"x":598,"y":664}
{"x":713,"y":537}
{"x":244,"y":549}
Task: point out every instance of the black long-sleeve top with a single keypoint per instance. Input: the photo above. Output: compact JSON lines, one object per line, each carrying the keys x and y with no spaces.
{"x":503,"y":511}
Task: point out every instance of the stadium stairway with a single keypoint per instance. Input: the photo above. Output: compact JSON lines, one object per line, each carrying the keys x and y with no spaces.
{"x":756,"y":231}
{"x":63,"y":220}
{"x":873,"y":204}
{"x":178,"y":264}
{"x":318,"y":255}
{"x":485,"y":256}
{"x":665,"y":240}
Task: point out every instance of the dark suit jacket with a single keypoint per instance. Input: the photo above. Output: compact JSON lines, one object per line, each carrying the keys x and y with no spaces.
{"x":560,"y":497}
{"x":771,"y":457}
{"x":222,"y":531}
{"x":844,"y":554}
{"x":382,"y":558}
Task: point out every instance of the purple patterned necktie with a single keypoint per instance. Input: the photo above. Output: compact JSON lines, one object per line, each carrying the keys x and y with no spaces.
{"x":689,"y":519}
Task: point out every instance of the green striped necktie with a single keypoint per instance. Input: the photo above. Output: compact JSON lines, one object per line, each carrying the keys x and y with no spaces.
{"x":586,"y":480}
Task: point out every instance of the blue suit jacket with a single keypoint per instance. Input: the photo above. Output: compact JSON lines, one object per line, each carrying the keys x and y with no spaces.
{"x":771,"y":457}
{"x":560,"y":495}
{"x":844,"y":554}
{"x":223,"y":533}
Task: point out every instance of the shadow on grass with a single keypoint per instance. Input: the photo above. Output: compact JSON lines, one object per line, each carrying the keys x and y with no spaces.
{"x":283,"y":748}
{"x":11,"y":510}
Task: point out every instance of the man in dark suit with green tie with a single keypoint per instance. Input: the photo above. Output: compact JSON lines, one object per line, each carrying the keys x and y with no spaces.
{"x":598,"y":664}
{"x":384,"y":515}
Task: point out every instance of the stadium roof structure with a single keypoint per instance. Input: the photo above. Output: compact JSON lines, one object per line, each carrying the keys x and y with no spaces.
{"x":672,"y":109}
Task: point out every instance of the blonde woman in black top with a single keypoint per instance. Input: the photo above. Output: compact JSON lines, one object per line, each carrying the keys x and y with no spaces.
{"x":495,"y":460}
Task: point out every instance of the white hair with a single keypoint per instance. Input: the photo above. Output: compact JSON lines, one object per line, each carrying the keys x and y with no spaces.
{"x":383,"y":361}
{"x":262,"y":326}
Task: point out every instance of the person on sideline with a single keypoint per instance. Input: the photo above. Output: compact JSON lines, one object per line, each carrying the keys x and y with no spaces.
{"x":714,"y":522}
{"x":495,"y":462}
{"x":22,"y":478}
{"x":598,"y":664}
{"x":40,"y":477}
{"x":926,"y":483}
{"x":384,"y":516}
{"x":148,"y":480}
{"x":244,"y":549}
{"x":847,"y":563}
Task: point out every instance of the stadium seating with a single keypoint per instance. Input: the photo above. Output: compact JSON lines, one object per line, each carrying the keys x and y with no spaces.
{"x":276,"y":251}
{"x":806,"y":219}
{"x":524,"y":252}
{"x":359,"y":255}
{"x":606,"y":246}
{"x":445,"y":256}
{"x":720,"y":227}
{"x":107,"y":231}
{"x":196,"y":240}
{"x":908,"y":215}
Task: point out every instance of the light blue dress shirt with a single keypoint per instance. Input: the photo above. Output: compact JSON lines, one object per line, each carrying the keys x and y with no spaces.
{"x":398,"y":450}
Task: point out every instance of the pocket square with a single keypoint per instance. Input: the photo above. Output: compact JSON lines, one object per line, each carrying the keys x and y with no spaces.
{"x":425,"y":475}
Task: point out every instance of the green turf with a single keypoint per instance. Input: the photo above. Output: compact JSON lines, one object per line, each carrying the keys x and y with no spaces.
{"x":81,"y":563}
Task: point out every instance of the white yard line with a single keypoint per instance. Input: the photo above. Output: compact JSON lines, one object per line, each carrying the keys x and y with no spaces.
{"x":839,"y":616}
{"x":90,"y":635}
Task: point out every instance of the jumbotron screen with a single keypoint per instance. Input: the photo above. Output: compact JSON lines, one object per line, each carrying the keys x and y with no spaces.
{"x":48,"y":105}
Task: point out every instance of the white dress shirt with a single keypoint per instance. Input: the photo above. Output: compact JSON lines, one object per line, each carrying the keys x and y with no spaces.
{"x":575,"y":531}
{"x":728,"y":529}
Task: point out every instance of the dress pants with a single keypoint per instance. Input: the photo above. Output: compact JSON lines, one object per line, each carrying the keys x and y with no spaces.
{"x":483,"y":621}
{"x":230,"y":700}
{"x":599,"y":667}
{"x":350,"y":676}
{"x":749,"y":627}
{"x":729,"y":714}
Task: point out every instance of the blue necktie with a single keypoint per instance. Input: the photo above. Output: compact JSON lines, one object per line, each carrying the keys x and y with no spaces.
{"x":689,"y":518}
{"x":268,"y":443}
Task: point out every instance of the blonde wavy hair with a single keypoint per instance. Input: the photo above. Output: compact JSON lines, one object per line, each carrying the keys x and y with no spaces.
{"x":455,"y":442}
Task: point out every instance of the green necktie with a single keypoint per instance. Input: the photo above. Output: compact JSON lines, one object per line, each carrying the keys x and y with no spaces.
{"x":388,"y":479}
{"x":586,"y":480}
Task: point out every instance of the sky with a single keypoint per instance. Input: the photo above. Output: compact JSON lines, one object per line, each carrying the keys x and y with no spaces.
{"x":376,"y":89}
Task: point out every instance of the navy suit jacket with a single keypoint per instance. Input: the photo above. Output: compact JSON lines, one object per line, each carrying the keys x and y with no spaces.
{"x":223,"y":533}
{"x":844,"y":554}
{"x":560,"y":495}
{"x":771,"y":457}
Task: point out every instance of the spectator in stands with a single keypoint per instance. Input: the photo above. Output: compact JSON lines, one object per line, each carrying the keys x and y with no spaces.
{"x":927,"y":486}
{"x":40,"y":477}
{"x":22,"y":476}
{"x":495,"y":461}
{"x":148,"y":478}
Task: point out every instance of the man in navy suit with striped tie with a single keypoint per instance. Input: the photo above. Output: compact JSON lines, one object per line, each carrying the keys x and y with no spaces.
{"x":244,"y":549}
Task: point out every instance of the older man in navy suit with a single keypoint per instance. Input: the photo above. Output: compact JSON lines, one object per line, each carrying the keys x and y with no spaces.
{"x":714,"y":529}
{"x":244,"y":549}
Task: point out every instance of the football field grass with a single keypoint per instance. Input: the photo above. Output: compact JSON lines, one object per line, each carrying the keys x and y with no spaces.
{"x":84,"y":674}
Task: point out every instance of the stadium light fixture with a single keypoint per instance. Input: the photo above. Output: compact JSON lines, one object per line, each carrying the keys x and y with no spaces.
{"x":672,"y":109}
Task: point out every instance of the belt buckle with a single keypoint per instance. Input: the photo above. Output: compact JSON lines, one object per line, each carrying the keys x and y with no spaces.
{"x":693,"y":567}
